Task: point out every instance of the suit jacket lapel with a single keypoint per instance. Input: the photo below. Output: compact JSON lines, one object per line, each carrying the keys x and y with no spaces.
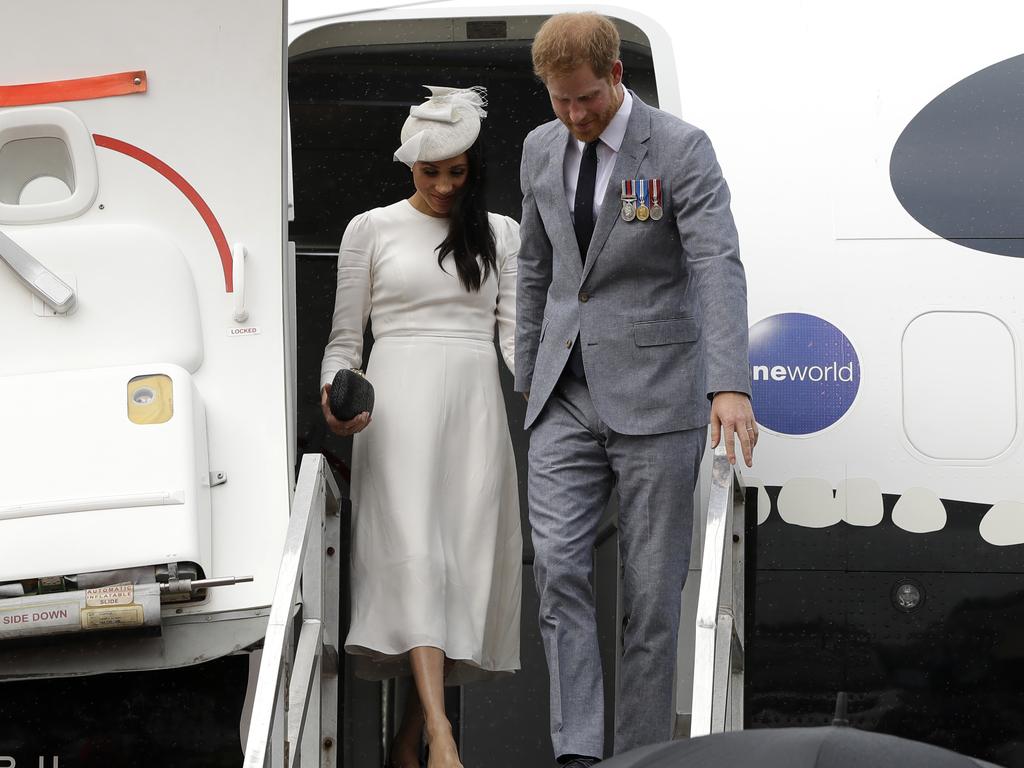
{"x":549,"y":192}
{"x":627,"y":166}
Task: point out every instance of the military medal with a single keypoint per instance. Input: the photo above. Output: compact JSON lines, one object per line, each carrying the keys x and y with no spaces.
{"x":628,"y":200}
{"x":642,"y":211}
{"x":656,"y":209}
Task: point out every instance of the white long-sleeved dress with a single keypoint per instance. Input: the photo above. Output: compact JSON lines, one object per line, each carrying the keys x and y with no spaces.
{"x":437,"y":548}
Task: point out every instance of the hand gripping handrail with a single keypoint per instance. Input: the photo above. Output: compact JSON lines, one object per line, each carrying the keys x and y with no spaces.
{"x":51,"y":290}
{"x":290,"y":670}
{"x":718,"y":641}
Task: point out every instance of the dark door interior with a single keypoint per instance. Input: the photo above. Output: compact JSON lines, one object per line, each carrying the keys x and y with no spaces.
{"x":347,"y":106}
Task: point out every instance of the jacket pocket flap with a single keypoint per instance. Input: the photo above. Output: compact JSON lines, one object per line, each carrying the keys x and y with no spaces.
{"x":679,"y":330}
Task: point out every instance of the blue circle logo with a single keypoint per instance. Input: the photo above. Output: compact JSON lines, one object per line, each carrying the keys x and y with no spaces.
{"x":804,"y":371}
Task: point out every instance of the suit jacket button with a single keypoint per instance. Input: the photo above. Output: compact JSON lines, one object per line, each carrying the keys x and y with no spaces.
{"x":584,"y":297}
{"x":568,"y":344}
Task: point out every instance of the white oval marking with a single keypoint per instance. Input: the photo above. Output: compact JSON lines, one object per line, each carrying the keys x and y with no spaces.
{"x":1003,"y":524}
{"x":919,"y":511}
{"x":808,"y":501}
{"x":859,"y":501}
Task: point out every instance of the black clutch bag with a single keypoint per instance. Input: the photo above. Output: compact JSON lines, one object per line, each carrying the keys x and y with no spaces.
{"x":351,"y":394}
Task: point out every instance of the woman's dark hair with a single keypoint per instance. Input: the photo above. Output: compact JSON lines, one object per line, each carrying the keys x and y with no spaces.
{"x":469,"y":232}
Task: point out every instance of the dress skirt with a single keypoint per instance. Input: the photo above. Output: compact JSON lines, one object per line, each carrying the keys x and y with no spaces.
{"x":437,"y":548}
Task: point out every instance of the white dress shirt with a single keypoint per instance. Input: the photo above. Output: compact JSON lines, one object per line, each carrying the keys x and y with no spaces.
{"x":607,"y":151}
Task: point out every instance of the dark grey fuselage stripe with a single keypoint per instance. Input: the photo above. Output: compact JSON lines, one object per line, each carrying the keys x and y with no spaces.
{"x":958,"y":166}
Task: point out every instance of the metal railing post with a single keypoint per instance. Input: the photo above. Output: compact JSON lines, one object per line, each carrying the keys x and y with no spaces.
{"x":295,"y":705}
{"x":718,"y":640}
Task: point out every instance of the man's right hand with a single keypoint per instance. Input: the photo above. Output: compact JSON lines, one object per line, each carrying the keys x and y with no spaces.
{"x":342,"y":428}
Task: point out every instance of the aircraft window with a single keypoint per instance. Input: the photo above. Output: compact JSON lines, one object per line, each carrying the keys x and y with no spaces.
{"x":959,"y":386}
{"x":34,"y":168}
{"x":47,"y":165}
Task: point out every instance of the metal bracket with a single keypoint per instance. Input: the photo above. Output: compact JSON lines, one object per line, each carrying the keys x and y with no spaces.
{"x":217,"y":478}
{"x":177,"y":590}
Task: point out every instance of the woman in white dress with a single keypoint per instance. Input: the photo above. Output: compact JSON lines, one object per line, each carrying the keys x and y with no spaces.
{"x":437,"y":549}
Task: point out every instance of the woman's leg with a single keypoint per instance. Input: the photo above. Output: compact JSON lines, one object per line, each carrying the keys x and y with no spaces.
{"x":405,"y":748}
{"x":428,"y":670}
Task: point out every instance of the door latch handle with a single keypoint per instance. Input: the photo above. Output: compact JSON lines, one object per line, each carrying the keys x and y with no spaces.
{"x":50,"y":289}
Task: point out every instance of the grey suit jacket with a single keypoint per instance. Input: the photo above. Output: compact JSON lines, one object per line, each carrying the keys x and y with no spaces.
{"x":660,"y":307}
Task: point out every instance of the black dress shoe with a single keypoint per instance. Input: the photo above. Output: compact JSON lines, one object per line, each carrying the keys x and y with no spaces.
{"x":581,"y":762}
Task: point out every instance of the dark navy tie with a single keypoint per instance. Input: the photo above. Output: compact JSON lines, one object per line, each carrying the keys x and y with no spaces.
{"x":583,"y":208}
{"x":583,"y":221}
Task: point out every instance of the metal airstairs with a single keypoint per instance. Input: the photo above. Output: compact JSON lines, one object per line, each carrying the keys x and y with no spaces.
{"x":295,"y":711}
{"x":718,"y":642}
{"x":295,"y":718}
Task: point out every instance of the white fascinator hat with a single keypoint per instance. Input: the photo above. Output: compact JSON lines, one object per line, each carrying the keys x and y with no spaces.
{"x":443,"y":126}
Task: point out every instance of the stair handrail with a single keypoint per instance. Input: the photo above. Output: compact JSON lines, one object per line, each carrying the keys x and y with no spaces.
{"x":287,"y":674}
{"x":719,"y":622}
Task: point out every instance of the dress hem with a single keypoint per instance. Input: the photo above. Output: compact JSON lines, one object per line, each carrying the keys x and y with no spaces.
{"x":375,"y":665}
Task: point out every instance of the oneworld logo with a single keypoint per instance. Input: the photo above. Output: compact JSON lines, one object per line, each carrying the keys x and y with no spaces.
{"x":805,"y":373}
{"x":834,"y":372}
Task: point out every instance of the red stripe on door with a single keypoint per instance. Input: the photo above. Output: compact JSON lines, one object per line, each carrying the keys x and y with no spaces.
{"x":186,"y":189}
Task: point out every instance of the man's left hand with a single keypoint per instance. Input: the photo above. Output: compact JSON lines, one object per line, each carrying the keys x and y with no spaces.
{"x":731,"y":415}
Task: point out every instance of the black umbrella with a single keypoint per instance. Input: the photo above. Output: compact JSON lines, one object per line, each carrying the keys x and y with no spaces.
{"x":826,"y":747}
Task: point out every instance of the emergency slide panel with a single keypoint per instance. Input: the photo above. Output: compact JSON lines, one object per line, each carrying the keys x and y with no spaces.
{"x":118,"y":606}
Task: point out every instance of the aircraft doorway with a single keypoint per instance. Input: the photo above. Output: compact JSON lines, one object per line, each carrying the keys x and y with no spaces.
{"x":350,"y":87}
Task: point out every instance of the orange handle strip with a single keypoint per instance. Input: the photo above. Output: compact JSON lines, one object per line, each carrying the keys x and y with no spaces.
{"x":98,"y":87}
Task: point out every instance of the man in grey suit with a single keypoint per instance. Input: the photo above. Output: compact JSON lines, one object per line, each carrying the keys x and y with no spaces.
{"x":631,"y":336}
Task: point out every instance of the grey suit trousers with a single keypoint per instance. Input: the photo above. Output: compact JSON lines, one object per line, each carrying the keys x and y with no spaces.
{"x":575,"y":461}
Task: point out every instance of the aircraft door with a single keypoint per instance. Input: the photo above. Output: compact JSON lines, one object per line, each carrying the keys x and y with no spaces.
{"x":350,"y":87}
{"x":142,"y":343}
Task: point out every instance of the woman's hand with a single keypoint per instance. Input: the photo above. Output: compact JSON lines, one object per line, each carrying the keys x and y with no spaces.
{"x":343,"y":428}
